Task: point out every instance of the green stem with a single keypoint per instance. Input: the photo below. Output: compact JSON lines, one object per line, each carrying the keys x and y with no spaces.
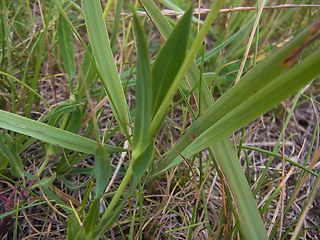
{"x":119,"y":192}
{"x":49,"y":154}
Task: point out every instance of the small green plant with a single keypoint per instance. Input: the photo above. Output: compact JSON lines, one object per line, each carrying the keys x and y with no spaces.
{"x":272,"y":80}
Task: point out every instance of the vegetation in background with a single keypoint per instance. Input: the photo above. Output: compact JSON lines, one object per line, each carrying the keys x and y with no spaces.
{"x":123,"y":120}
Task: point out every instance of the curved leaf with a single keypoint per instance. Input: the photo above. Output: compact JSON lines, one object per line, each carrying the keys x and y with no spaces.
{"x":100,"y":44}
{"x":143,"y":90}
{"x":169,"y":60}
{"x":8,"y":149}
{"x":50,"y":134}
{"x":101,"y":169}
{"x":66,"y":46}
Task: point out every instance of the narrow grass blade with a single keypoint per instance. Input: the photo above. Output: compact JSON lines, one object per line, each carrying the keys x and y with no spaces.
{"x":117,"y":19}
{"x":101,"y":170}
{"x":88,"y":74}
{"x":143,"y":91}
{"x":21,"y":208}
{"x":102,"y":52}
{"x":26,"y":86}
{"x":169,"y":60}
{"x":66,"y":47}
{"x":35,"y":78}
{"x":50,"y":134}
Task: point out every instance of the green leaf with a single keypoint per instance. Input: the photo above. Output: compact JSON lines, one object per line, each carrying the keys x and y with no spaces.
{"x":101,"y":170}
{"x":88,"y":74}
{"x":170,"y":60}
{"x":264,"y":74}
{"x":188,"y":61}
{"x":117,"y":19}
{"x":47,"y":181}
{"x":3,"y":162}
{"x":251,"y":223}
{"x":56,"y":114}
{"x":8,"y":149}
{"x":50,"y":134}
{"x":282,"y":87}
{"x":279,"y":89}
{"x":110,"y":79}
{"x":141,"y":164}
{"x":107,"y":221}
{"x":143,"y":90}
{"x":66,"y":47}
{"x":92,"y":217}
{"x":74,"y":120}
{"x":75,"y":230}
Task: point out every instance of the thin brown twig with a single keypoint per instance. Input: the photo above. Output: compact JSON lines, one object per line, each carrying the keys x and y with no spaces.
{"x":50,"y":204}
{"x":199,"y":11}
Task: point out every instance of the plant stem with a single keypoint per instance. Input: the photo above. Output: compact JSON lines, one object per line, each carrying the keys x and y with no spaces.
{"x":121,"y":188}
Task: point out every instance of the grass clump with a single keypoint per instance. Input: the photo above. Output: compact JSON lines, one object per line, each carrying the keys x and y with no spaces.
{"x":123,"y":139}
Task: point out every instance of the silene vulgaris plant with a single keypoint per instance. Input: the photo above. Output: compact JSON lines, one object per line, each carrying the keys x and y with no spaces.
{"x":272,"y":80}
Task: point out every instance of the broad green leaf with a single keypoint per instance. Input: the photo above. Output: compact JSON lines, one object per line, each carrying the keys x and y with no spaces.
{"x":101,"y":170}
{"x":282,"y":87}
{"x":250,"y":86}
{"x":8,"y":149}
{"x":170,"y":60}
{"x":279,"y":89}
{"x":50,"y":134}
{"x":110,"y":79}
{"x":92,"y":217}
{"x":251,"y":224}
{"x":143,"y":90}
{"x":75,"y":230}
{"x":66,"y":47}
{"x":157,"y":120}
